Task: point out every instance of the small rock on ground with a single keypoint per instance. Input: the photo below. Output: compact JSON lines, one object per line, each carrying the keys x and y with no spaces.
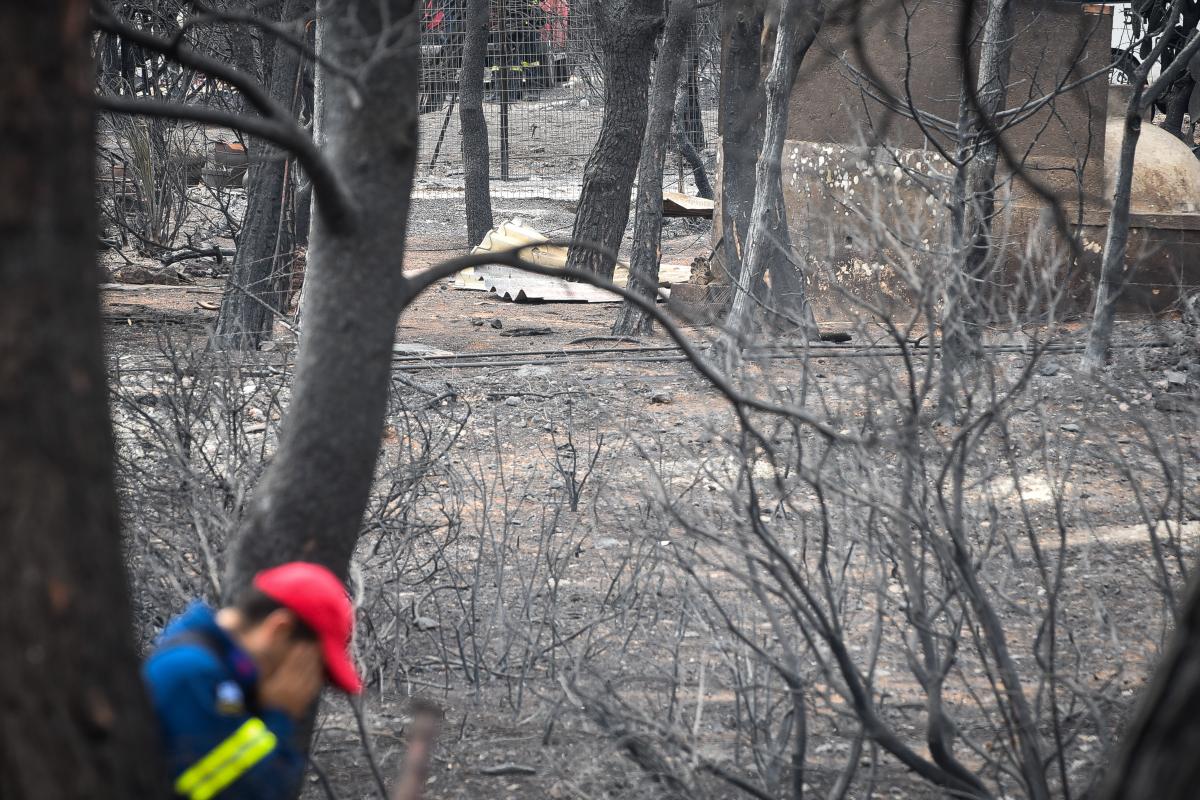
{"x":1173,"y":402}
{"x":533,"y":371}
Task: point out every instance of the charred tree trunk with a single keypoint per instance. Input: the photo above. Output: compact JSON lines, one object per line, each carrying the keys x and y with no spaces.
{"x":475,"y":150}
{"x":320,"y":81}
{"x":1175,"y":101}
{"x":247,"y":58}
{"x":1116,"y":242}
{"x":647,"y":224}
{"x":75,"y":722}
{"x":258,"y":284}
{"x":128,"y":67}
{"x":961,"y":321}
{"x":310,"y":501}
{"x":1177,"y":106}
{"x":740,"y":122}
{"x":766,"y":241}
{"x":302,"y":201}
{"x":1112,"y":267}
{"x":627,"y":32}
{"x":1156,"y":756}
{"x":695,"y":162}
{"x":108,"y":52}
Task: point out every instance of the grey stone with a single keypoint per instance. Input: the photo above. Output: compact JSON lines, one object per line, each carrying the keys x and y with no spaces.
{"x":1173,"y":403}
{"x":534,"y":371}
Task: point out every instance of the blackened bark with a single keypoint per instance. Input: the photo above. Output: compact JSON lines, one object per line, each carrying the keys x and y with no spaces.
{"x":1177,"y":106}
{"x":259,"y":281}
{"x":320,"y":82}
{"x":964,"y":308}
{"x":1156,"y":757}
{"x":246,"y":57}
{"x":1112,"y":268}
{"x":688,"y":151}
{"x":74,"y":719}
{"x":302,"y":203}
{"x":310,"y":501}
{"x":627,"y":31}
{"x":108,"y":51}
{"x":1116,"y":243}
{"x":475,"y":151}
{"x":788,"y":309}
{"x":766,"y":240}
{"x":696,"y":163}
{"x":302,"y":197}
{"x":128,"y":66}
{"x":740,"y":121}
{"x":995,"y":60}
{"x":647,"y":225}
{"x":1175,"y":102}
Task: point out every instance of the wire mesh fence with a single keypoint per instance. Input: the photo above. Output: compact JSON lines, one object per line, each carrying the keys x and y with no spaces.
{"x":543,"y":95}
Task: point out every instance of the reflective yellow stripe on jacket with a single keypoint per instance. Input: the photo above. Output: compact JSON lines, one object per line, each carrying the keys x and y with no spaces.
{"x":227,"y":762}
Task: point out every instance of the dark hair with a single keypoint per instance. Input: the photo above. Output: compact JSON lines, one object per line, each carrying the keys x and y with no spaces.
{"x":255,"y":606}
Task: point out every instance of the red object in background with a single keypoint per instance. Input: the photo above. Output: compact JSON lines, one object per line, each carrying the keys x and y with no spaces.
{"x":554,"y":31}
{"x":556,"y":12}
{"x":318,"y":598}
{"x":431,"y":16}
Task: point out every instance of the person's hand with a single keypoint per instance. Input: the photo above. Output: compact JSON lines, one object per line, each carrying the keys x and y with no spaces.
{"x":296,"y":681}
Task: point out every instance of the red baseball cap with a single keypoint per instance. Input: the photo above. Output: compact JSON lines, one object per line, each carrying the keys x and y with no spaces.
{"x":318,"y":598}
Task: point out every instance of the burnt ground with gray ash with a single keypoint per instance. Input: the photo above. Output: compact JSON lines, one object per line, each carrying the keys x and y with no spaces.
{"x":484,"y":591}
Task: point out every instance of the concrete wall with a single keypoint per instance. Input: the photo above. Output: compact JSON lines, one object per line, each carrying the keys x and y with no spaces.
{"x":867,"y":192}
{"x":860,"y":214}
{"x":915,"y":55}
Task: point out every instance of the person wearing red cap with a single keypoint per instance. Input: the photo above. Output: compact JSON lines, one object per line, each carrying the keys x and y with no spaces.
{"x":229,"y":685}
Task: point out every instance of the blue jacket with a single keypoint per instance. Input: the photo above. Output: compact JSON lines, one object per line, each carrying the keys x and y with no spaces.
{"x":218,"y":743}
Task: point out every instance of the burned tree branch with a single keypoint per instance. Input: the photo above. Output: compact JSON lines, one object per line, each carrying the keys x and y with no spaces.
{"x":334,"y":204}
{"x":277,"y":125}
{"x":210,"y":16}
